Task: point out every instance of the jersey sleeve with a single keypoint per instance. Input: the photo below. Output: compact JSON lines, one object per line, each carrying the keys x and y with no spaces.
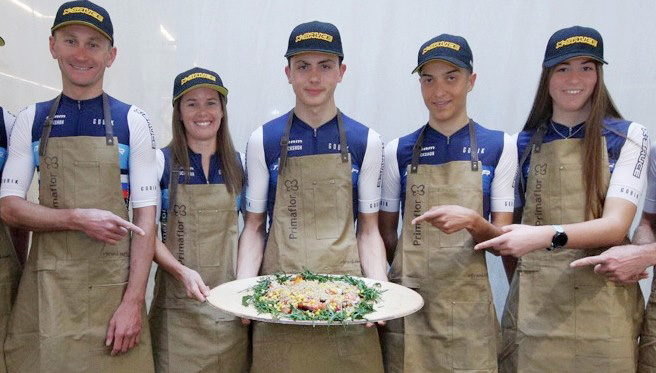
{"x":369,"y":179}
{"x":142,"y":163}
{"x":19,"y":169}
{"x":650,"y":194}
{"x":391,"y":188}
{"x":257,"y":173}
{"x":8,"y":120}
{"x":502,"y":193}
{"x":629,"y":176}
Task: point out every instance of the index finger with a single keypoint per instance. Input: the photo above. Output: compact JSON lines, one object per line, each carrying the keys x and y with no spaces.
{"x":588,"y":261}
{"x":430,"y":214}
{"x":127,"y":225}
{"x":491,"y":243}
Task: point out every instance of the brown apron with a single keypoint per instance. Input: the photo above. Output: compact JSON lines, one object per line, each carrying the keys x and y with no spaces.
{"x":456,"y":330}
{"x":313,"y":229}
{"x":190,"y":336}
{"x":9,"y":276}
{"x":72,"y":284}
{"x":559,"y":319}
{"x":647,"y":350}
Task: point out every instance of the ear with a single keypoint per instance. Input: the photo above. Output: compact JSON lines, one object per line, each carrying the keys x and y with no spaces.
{"x":288,"y":72}
{"x":51,"y":44}
{"x":112,"y":57}
{"x":342,"y":70}
{"x":471,"y":82}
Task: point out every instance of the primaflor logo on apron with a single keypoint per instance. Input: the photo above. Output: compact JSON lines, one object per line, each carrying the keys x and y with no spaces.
{"x":313,"y":228}
{"x":72,"y":284}
{"x":456,"y":330}
{"x":559,"y":319}
{"x":190,"y":336}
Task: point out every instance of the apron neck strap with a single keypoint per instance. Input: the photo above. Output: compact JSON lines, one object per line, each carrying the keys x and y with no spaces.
{"x":416,"y":149}
{"x":47,"y":126}
{"x":109,"y":127}
{"x":284,"y":140}
{"x":473,"y":145}
{"x":174,"y":177}
{"x":533,"y":146}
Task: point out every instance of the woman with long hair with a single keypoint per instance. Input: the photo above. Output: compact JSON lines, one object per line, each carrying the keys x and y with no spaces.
{"x":582,"y":172}
{"x":201,"y":179}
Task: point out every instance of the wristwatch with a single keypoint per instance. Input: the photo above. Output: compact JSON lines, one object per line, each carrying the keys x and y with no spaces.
{"x":559,"y":239}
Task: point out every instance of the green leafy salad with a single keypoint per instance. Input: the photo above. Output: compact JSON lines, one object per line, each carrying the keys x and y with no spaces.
{"x":313,"y":297}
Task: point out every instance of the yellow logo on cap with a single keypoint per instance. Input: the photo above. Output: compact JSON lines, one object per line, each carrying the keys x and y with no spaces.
{"x":441,"y":44}
{"x":577,"y":39}
{"x":81,"y":9}
{"x":196,"y":76}
{"x":314,"y":35}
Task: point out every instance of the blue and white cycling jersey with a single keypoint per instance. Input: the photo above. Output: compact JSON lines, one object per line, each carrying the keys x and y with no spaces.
{"x":6,"y":124}
{"x":365,"y":148}
{"x":496,"y":151}
{"x":196,"y":176}
{"x":628,"y":147}
{"x":136,"y":144}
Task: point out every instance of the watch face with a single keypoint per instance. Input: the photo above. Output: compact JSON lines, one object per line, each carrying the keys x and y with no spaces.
{"x":559,"y":239}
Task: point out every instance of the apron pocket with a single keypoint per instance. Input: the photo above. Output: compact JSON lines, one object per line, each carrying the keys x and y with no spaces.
{"x":62,"y":298}
{"x":325,"y":212}
{"x":569,"y":203}
{"x":209,"y":248}
{"x":604,"y":321}
{"x":473,"y":335}
{"x":86,"y":184}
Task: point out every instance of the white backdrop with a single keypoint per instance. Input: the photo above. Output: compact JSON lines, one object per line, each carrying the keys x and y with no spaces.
{"x":244,"y":41}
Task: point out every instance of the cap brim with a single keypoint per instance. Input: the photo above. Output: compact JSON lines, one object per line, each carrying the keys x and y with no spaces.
{"x":83,"y":23}
{"x":222,"y":90}
{"x":295,"y":52}
{"x":556,"y":60}
{"x":452,"y":61}
{"x":2,"y":42}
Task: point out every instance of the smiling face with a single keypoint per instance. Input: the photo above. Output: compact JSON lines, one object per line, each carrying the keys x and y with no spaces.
{"x":444,"y":88}
{"x":571,"y":85}
{"x":83,"y":54}
{"x":314,"y":77}
{"x":201,"y":113}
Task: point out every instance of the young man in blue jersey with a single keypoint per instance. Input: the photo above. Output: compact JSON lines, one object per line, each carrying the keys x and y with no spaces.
{"x":458,"y":176}
{"x":302,"y":169}
{"x":81,"y":299}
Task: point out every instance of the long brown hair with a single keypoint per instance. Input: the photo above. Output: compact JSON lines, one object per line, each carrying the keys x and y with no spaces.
{"x":602,"y":106}
{"x":233,"y":175}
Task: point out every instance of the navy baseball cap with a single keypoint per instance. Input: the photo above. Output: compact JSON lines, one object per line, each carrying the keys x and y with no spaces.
{"x":315,"y":36}
{"x":450,"y":48}
{"x":575,"y":41}
{"x":195,"y":78}
{"x":84,"y":12}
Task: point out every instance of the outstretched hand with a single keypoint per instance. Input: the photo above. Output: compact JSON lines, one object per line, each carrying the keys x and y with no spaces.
{"x":104,"y":225}
{"x":624,"y":264}
{"x":518,"y":240}
{"x":448,"y":218}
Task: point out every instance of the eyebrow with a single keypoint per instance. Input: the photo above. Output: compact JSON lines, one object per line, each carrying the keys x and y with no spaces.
{"x":452,"y":71}
{"x":320,"y":62}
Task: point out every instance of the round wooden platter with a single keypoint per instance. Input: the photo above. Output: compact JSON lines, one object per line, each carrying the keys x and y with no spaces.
{"x":396,"y":301}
